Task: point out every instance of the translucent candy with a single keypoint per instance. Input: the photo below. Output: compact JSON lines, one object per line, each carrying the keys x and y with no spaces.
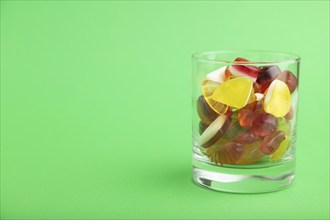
{"x":247,"y":114}
{"x":234,"y":130}
{"x":264,"y":124}
{"x":277,"y":99}
{"x":285,"y":126}
{"x":214,"y":131}
{"x":231,"y":152}
{"x":289,"y":79}
{"x":251,"y":153}
{"x":247,"y":138}
{"x":227,"y":153}
{"x":266,"y":75}
{"x":257,"y":88}
{"x":208,"y":88}
{"x":250,"y":72}
{"x":205,"y":112}
{"x":284,"y":146}
{"x":235,"y":92}
{"x":272,"y":142}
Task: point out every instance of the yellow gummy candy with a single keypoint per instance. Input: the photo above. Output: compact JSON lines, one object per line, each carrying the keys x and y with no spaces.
{"x":234,"y":92}
{"x":208,"y":88}
{"x":277,"y":99}
{"x":281,"y":149}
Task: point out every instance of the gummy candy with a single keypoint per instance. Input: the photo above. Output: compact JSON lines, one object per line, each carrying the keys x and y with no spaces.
{"x":234,"y":130}
{"x":272,"y":142}
{"x":227,"y":153}
{"x":284,"y":125}
{"x":243,"y":70}
{"x":264,"y":124}
{"x":214,"y":131}
{"x":259,"y":96}
{"x":281,"y":150}
{"x":247,"y":114}
{"x":208,"y":88}
{"x":289,"y":79}
{"x":234,"y":92}
{"x":266,"y":75}
{"x":251,"y":153}
{"x":277,"y":99}
{"x":205,"y":112}
{"x":217,"y":75}
{"x":256,"y":88}
{"x":246,"y":138}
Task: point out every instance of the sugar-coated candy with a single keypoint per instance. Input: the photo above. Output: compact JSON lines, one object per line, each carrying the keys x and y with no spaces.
{"x":247,"y":114}
{"x":214,"y":131}
{"x":202,"y":127}
{"x":244,"y":70}
{"x":208,"y":88}
{"x":277,"y":99}
{"x":234,"y":92}
{"x":217,"y":75}
{"x":247,"y":138}
{"x":289,"y":79}
{"x":205,"y":112}
{"x":266,"y":75}
{"x":264,"y":124}
{"x":226,"y":153}
{"x":281,"y":150}
{"x":272,"y":142}
{"x":251,"y":153}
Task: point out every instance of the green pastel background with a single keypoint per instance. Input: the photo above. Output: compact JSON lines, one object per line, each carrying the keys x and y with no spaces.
{"x":96,"y":110}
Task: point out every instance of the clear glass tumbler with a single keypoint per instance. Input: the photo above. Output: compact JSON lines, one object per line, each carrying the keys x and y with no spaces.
{"x":244,"y":120}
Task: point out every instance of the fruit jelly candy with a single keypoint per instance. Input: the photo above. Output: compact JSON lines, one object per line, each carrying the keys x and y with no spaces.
{"x":266,"y":75}
{"x":247,"y":114}
{"x":272,"y":142}
{"x":217,"y":75}
{"x":284,"y":146}
{"x":288,"y":78}
{"x":234,"y":93}
{"x":247,"y":138}
{"x":202,"y":127}
{"x":208,"y":88}
{"x":284,"y":125}
{"x":277,"y":99}
{"x":227,"y":153}
{"x":244,"y":70}
{"x":264,"y":124}
{"x":256,"y":88}
{"x":214,"y":131}
{"x":205,"y":112}
{"x":234,"y":130}
{"x":251,"y":153}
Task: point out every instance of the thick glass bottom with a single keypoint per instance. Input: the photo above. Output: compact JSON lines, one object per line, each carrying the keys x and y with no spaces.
{"x":242,"y":179}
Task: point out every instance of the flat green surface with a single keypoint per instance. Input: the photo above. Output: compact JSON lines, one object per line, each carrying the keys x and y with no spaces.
{"x":96,"y":107}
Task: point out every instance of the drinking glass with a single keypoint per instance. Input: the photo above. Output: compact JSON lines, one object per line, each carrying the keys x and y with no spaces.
{"x":244,"y":120}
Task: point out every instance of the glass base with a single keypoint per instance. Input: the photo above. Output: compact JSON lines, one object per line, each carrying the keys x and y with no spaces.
{"x":244,"y":180}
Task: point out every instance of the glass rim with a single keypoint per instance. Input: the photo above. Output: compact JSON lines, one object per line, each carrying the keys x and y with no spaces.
{"x":292,"y":58}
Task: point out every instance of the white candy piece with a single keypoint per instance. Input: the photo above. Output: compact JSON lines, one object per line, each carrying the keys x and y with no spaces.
{"x":259,"y":96}
{"x":240,"y":74}
{"x":217,"y":75}
{"x":212,"y":129}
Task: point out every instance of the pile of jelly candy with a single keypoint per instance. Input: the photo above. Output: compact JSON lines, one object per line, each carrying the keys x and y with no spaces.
{"x":245,"y":113}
